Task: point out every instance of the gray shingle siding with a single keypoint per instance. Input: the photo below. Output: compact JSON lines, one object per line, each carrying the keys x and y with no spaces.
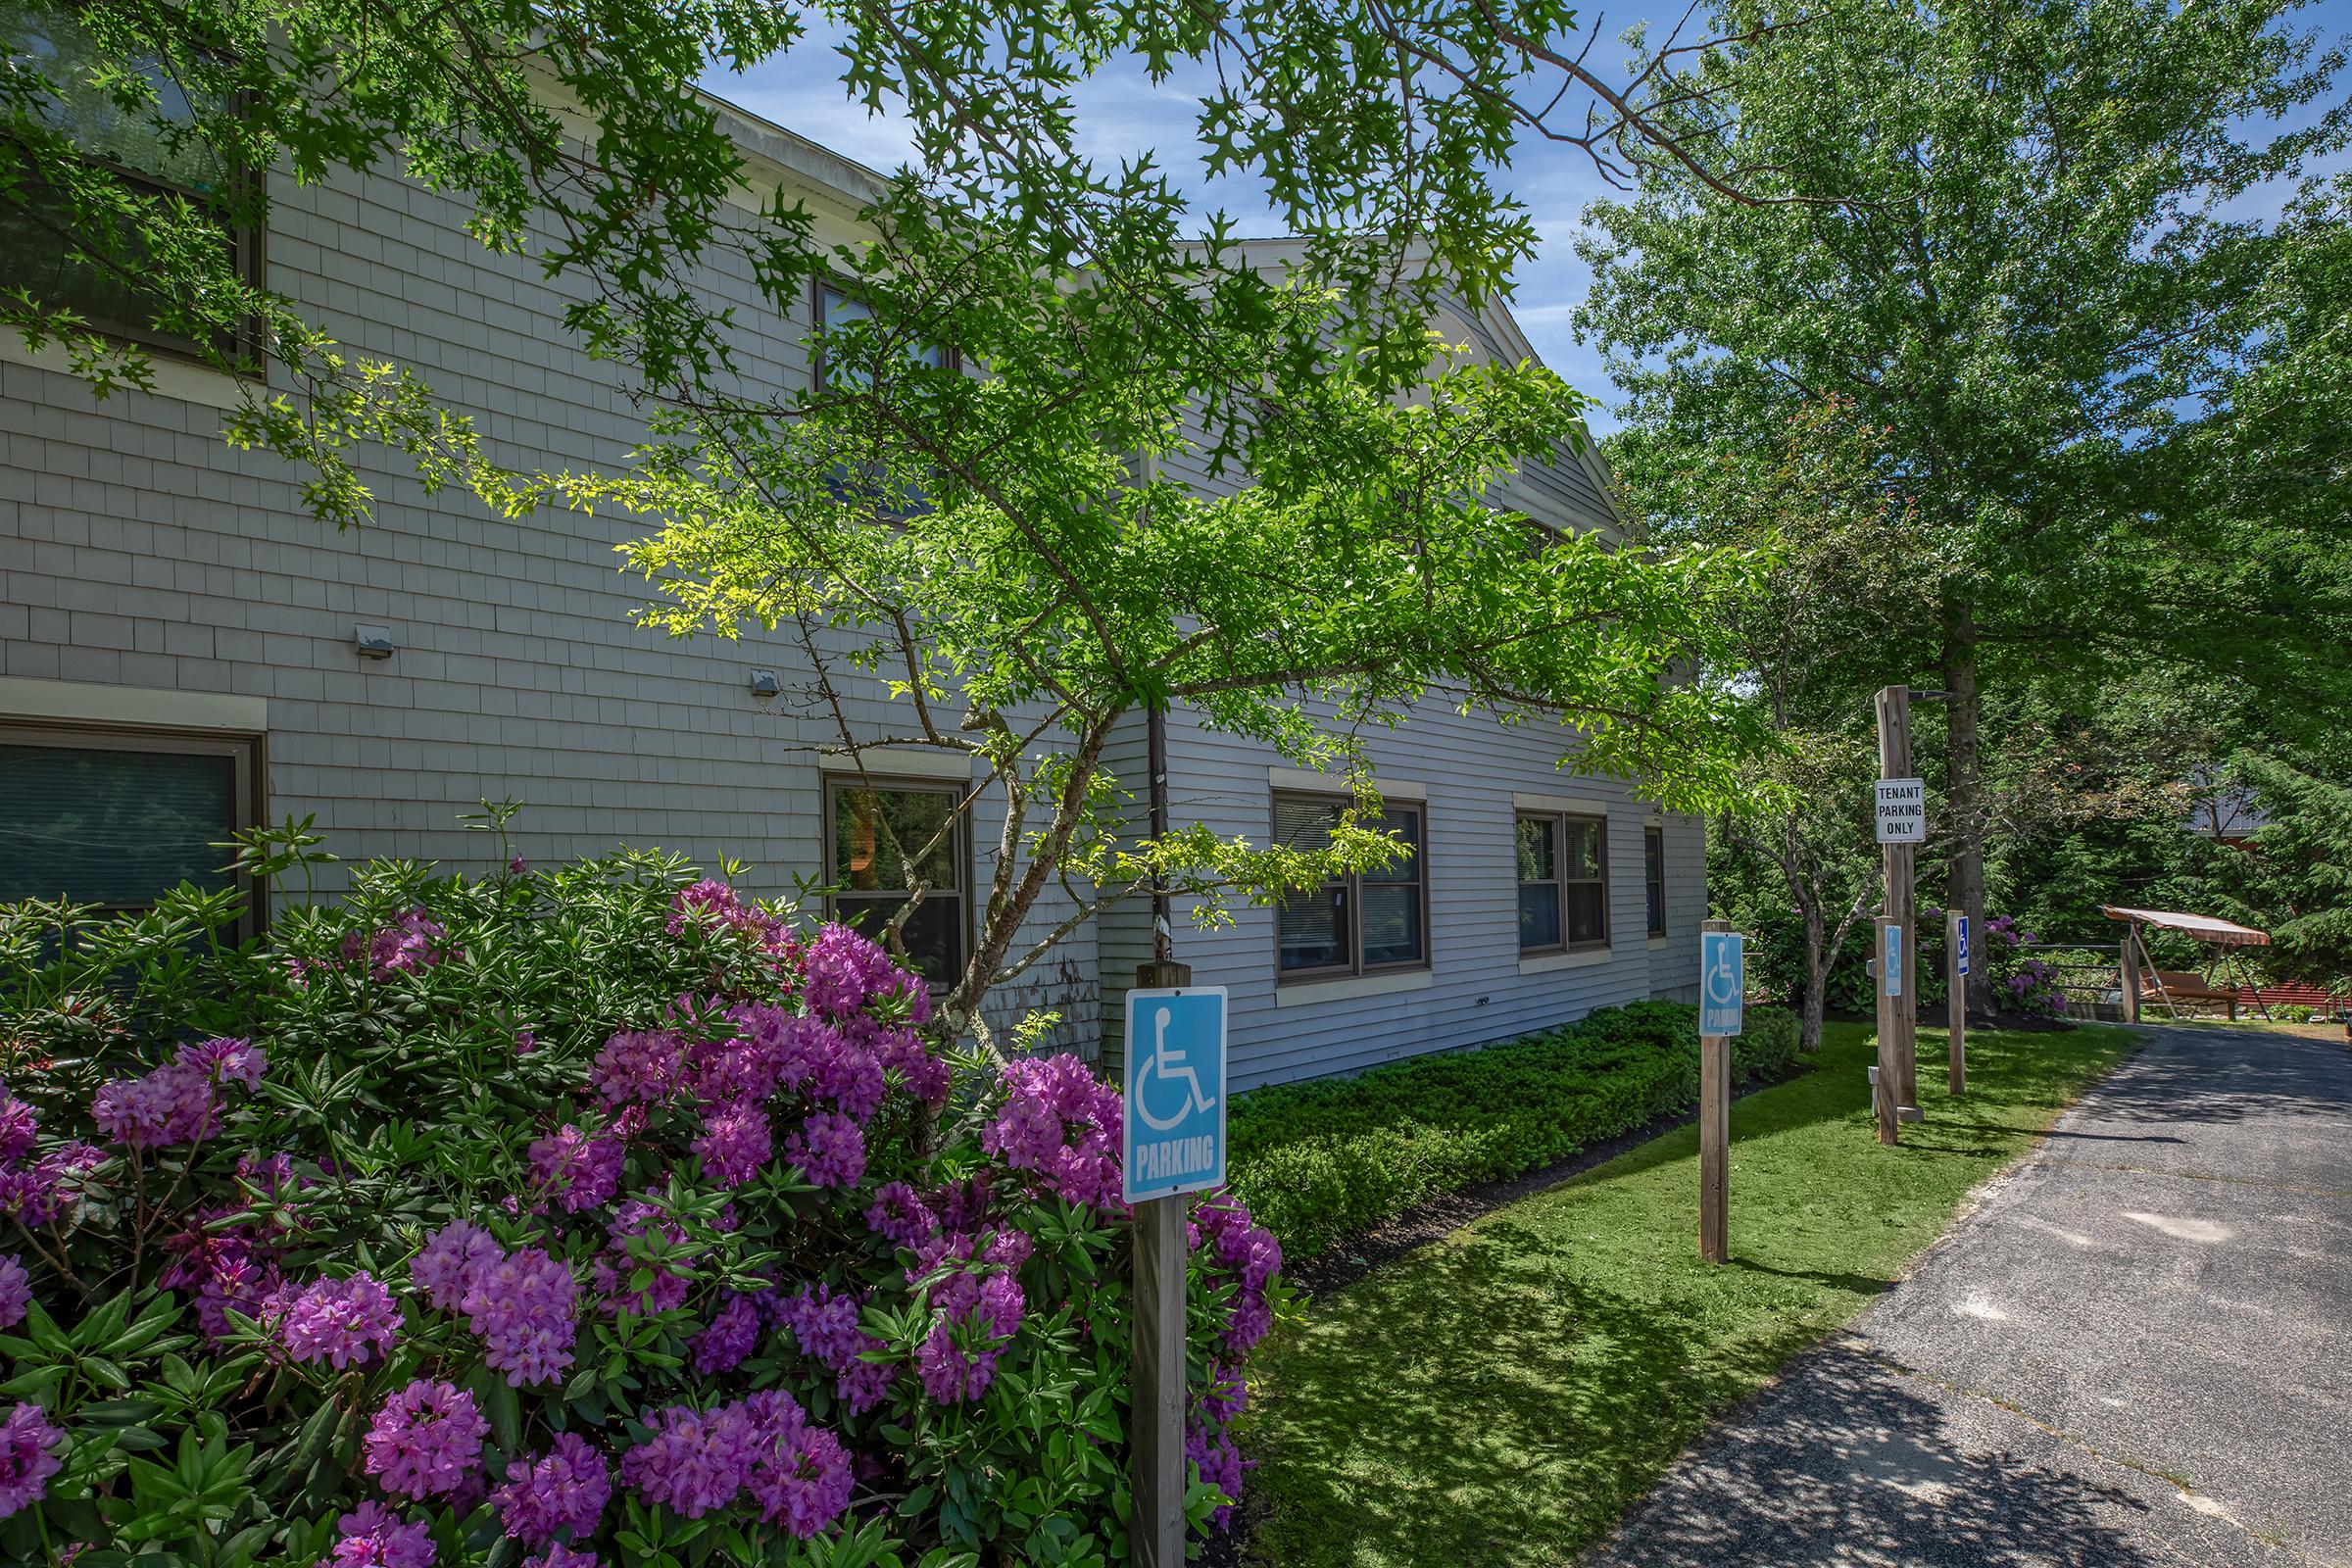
{"x":138,"y":549}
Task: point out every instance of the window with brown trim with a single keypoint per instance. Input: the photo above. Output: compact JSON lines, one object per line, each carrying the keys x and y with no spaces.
{"x":1563,"y":882}
{"x":1363,"y":924}
{"x":874,"y":833}
{"x":146,"y":151}
{"x":119,"y":817}
{"x":1653,"y":877}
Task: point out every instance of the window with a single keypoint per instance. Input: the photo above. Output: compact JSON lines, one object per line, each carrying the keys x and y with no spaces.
{"x":874,"y":833}
{"x":1563,"y":882}
{"x":1357,"y":924}
{"x":1653,"y":877}
{"x":119,"y":819}
{"x":893,"y":496}
{"x":37,"y":236}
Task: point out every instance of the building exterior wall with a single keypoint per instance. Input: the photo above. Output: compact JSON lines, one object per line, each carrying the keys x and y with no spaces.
{"x":140,"y":554}
{"x":152,"y":577}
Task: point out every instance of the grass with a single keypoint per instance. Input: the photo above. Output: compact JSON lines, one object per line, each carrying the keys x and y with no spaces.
{"x":1501,"y":1397}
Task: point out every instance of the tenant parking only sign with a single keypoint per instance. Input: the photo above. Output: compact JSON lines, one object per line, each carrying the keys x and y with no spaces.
{"x":1903,"y":810}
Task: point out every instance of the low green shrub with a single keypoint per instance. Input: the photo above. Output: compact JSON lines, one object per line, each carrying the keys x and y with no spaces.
{"x":1318,"y":1163}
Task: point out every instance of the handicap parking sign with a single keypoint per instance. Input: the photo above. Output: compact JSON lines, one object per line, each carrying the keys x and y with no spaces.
{"x":1964,"y":944}
{"x":1175,"y":1140}
{"x":1891,"y":963}
{"x":1722,"y":982}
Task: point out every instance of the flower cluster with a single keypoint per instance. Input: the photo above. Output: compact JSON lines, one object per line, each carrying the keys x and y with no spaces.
{"x":525,"y":1304}
{"x":976,"y":1303}
{"x":427,"y":1440}
{"x":27,"y":1456}
{"x":412,"y":942}
{"x":372,"y":1535}
{"x":696,"y":1462}
{"x":576,"y":1171}
{"x":824,"y":1325}
{"x":563,"y":1489}
{"x":173,"y":1104}
{"x":38,"y":1191}
{"x":341,"y":1322}
{"x":1245,"y":1254}
{"x":1062,"y":1123}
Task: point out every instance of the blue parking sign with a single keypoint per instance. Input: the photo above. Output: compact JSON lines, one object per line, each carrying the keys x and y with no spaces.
{"x":1891,"y":963}
{"x":1722,"y":982}
{"x":1964,"y":944}
{"x":1175,"y":1117}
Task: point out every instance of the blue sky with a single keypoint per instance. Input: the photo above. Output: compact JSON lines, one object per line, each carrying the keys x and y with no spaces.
{"x":1123,"y":112}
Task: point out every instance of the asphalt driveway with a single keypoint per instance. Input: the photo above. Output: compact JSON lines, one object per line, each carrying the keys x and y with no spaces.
{"x":2137,"y":1349}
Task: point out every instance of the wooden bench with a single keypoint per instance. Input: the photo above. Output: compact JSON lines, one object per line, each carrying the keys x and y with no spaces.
{"x":2180,"y":988}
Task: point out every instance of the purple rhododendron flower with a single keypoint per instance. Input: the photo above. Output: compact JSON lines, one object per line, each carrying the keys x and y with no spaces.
{"x":46,"y":1190}
{"x":412,"y":941}
{"x":428,"y":1439}
{"x":1063,"y":1124}
{"x":173,"y":1104}
{"x":1221,"y":1464}
{"x":829,"y":1147}
{"x":563,"y":1556}
{"x":732,"y":1336}
{"x":565,"y":1488}
{"x":575,"y":1170}
{"x":668,"y":1291}
{"x":445,"y":1270}
{"x":26,"y":1457}
{"x":735,"y":1142}
{"x":373,"y":1537}
{"x":529,"y":1317}
{"x":226,"y":1062}
{"x":16,"y":1293}
{"x":638,"y":1066}
{"x":694,"y":1463}
{"x":799,"y":1474}
{"x":899,"y":1215}
{"x":18,"y":1127}
{"x":341,"y":1322}
{"x":842,"y":969}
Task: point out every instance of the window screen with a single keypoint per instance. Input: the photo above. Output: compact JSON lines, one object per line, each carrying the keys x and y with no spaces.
{"x":1653,"y":877}
{"x":114,"y":827}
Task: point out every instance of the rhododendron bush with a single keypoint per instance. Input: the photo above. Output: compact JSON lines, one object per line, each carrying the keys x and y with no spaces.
{"x":584,"y":1215}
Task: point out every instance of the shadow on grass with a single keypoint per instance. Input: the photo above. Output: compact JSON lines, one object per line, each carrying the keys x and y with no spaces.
{"x":1486,"y":1406}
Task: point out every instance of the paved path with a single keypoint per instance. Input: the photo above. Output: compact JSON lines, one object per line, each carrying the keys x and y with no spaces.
{"x":2136,"y":1351}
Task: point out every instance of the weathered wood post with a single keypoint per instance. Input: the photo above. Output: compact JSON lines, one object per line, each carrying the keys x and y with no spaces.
{"x":1897,"y":870}
{"x":1956,"y":965}
{"x":2131,"y":969}
{"x":1714,"y":1120}
{"x":1888,"y":934}
{"x":1155,"y":1411}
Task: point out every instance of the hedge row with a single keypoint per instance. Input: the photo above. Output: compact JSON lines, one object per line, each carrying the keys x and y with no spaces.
{"x":1319,"y":1163}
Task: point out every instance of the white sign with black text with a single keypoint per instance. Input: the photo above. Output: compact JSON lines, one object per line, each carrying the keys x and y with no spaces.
{"x":1903,"y":810}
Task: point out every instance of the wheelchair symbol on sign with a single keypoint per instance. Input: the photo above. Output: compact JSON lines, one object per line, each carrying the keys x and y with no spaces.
{"x":1723,"y":980}
{"x":1168,"y":1066}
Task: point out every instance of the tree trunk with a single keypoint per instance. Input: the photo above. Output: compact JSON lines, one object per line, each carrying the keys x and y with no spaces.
{"x":1964,"y":794}
{"x":1817,"y":980}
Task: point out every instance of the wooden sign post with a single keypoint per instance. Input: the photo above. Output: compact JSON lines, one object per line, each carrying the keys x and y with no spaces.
{"x":1902,"y":825}
{"x":1890,"y":988}
{"x":1722,"y":990}
{"x":1956,"y":965}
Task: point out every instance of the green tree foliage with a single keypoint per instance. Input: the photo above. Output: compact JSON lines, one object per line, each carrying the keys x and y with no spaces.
{"x":1008,"y":498}
{"x":2008,"y":244}
{"x":2293,"y":878}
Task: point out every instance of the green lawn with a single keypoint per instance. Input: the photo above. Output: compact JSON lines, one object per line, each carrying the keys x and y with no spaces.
{"x":1502,"y":1397}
